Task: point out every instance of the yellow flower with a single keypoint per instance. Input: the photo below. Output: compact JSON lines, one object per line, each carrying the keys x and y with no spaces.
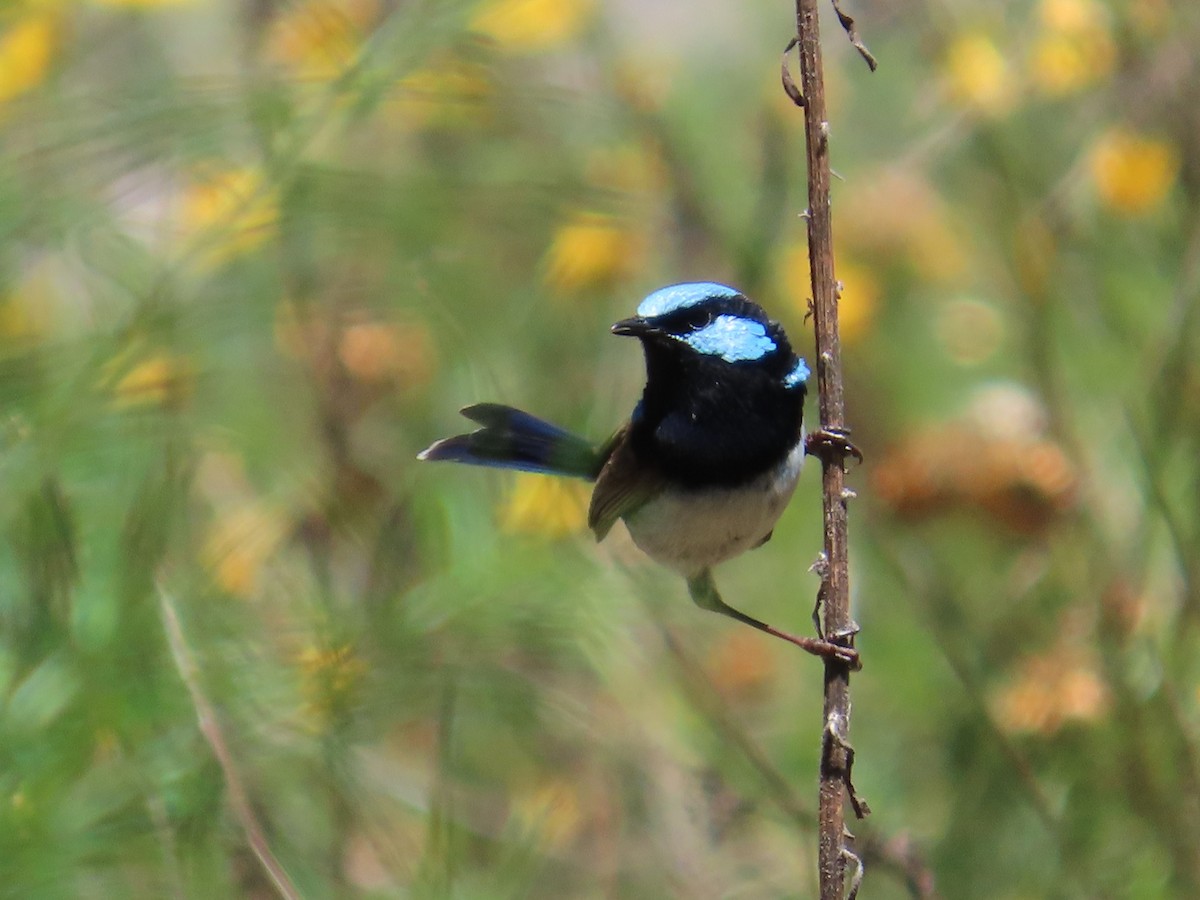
{"x":590,"y":252}
{"x":645,"y":84}
{"x":529,"y":25}
{"x":36,"y":304}
{"x":977,"y":75}
{"x":329,"y":677}
{"x":144,"y":4}
{"x":627,"y":168}
{"x":1070,"y":15}
{"x":320,"y":39}
{"x":26,"y":52}
{"x":238,"y":546}
{"x":229,"y":212}
{"x":14,"y":319}
{"x":538,"y":504}
{"x":158,"y":380}
{"x":551,"y":811}
{"x":448,"y":92}
{"x":1060,"y":65}
{"x":1075,"y":47}
{"x":859,"y":295}
{"x":1132,"y":173}
{"x":857,"y":301}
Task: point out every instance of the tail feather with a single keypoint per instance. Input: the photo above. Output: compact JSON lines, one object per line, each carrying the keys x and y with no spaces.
{"x":511,"y":439}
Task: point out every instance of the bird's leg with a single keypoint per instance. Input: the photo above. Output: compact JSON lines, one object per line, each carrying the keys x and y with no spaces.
{"x":704,"y":592}
{"x":831,"y":445}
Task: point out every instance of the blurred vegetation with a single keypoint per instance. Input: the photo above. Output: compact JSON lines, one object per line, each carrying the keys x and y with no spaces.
{"x":254,"y":255}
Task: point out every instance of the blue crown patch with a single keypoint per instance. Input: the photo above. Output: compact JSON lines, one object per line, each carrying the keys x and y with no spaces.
{"x":681,"y":296}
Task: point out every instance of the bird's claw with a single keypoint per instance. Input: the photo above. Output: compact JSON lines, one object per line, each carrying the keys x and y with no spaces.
{"x":839,"y":644}
{"x":845,"y":634}
{"x":847,"y":655}
{"x":831,"y":445}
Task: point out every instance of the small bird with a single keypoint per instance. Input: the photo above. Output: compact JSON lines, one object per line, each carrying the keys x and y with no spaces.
{"x":711,"y":455}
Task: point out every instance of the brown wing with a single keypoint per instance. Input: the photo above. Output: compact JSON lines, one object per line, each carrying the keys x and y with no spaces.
{"x":624,"y":484}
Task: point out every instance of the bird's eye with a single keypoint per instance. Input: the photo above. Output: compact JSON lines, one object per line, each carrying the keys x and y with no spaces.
{"x":687,"y":321}
{"x":698,"y":319}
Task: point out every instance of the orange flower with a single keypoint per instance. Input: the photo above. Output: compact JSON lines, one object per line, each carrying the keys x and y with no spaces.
{"x":1050,"y":691}
{"x":740,"y":665}
{"x":1014,"y":478}
{"x":376,"y":352}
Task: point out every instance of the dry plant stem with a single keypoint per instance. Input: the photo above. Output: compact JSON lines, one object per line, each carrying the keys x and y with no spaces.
{"x":897,"y":854}
{"x":835,"y":587}
{"x":206,"y":717}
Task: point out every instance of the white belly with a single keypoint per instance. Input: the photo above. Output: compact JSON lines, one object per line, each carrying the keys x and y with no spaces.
{"x":688,"y":531}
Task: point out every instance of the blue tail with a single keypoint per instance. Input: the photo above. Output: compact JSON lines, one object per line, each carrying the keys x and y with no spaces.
{"x":511,"y":439}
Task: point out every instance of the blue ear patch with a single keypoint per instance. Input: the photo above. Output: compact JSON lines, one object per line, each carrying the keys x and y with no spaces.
{"x":798,"y":375}
{"x":732,"y":338}
{"x":681,"y":296}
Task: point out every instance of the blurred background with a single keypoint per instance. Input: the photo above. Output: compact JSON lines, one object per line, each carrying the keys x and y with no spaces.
{"x":253,"y":258}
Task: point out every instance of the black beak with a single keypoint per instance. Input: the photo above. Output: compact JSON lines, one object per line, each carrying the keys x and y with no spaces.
{"x":635,"y":327}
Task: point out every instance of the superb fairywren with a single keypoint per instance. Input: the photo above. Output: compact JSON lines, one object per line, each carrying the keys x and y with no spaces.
{"x":711,"y":455}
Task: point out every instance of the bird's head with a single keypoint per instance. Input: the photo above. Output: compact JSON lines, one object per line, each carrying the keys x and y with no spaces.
{"x":713,"y":327}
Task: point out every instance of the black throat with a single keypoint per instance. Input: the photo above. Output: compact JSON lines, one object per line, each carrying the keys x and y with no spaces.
{"x":706,"y":422}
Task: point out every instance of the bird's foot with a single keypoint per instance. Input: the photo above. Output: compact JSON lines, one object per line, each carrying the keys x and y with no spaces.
{"x":704,"y":593}
{"x":831,"y":445}
{"x":824,"y":649}
{"x":837,"y":646}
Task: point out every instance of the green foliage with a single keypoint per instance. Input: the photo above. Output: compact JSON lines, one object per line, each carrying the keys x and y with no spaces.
{"x":251,"y":261}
